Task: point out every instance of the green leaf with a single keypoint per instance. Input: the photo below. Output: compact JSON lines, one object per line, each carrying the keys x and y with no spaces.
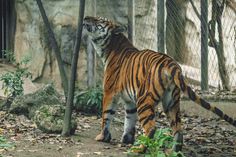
{"x":6,"y":145}
{"x":160,"y":154}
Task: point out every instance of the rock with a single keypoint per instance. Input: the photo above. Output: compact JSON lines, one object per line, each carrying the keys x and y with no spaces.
{"x":49,"y":119}
{"x":45,"y":107}
{"x":28,"y":104}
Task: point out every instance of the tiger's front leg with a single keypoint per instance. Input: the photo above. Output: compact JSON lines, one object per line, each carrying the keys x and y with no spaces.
{"x":128,"y":136}
{"x":108,"y":111}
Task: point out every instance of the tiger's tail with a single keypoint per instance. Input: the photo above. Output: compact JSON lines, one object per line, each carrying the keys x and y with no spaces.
{"x":188,"y":91}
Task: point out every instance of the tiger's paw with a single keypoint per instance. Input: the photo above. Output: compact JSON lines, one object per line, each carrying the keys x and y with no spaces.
{"x":105,"y":136}
{"x":128,"y":139}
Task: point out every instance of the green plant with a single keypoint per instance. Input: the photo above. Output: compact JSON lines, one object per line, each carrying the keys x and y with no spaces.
{"x":159,"y":145}
{"x":4,"y":144}
{"x":13,"y":80}
{"x":89,"y":101}
{"x":9,"y":55}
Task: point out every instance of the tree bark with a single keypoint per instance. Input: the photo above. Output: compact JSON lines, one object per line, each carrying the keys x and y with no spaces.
{"x":217,"y":10}
{"x":175,"y":29}
{"x":131,"y":20}
{"x":91,"y":57}
{"x":55,"y":47}
{"x":204,"y":44}
{"x":67,"y":118}
{"x":161,"y":26}
{"x":91,"y":81}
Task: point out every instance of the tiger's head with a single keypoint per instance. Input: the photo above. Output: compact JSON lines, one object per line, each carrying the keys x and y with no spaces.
{"x":99,"y":31}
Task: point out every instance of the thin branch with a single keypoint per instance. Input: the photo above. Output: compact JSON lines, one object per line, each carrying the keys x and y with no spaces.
{"x":195,"y":9}
{"x":67,"y":118}
{"x":55,"y":47}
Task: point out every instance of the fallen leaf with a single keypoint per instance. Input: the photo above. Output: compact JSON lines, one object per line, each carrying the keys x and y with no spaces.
{"x":79,"y":154}
{"x":97,"y":153}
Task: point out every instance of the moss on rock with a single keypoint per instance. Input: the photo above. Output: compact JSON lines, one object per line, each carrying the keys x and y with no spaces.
{"x":49,"y":119}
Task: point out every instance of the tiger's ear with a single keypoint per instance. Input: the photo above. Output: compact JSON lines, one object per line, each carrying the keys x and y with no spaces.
{"x":119,"y":29}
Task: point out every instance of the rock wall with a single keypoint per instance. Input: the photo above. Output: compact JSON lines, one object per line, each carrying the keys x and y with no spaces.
{"x":31,"y":38}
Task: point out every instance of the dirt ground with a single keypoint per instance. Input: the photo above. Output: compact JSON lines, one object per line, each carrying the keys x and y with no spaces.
{"x":204,"y":135}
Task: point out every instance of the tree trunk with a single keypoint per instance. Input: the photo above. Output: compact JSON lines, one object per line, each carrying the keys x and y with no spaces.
{"x":217,"y":10}
{"x":91,"y":82}
{"x":55,"y":47}
{"x":91,"y":57}
{"x":131,"y":20}
{"x":161,"y":26}
{"x":204,"y":44}
{"x":175,"y":29}
{"x":67,"y":118}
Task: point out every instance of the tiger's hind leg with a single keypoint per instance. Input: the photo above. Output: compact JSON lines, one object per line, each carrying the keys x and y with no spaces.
{"x":171,"y":106}
{"x":146,"y":116}
{"x":128,"y":136}
{"x":108,"y":111}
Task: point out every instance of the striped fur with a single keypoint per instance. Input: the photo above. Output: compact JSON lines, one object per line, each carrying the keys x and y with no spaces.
{"x":142,"y":79}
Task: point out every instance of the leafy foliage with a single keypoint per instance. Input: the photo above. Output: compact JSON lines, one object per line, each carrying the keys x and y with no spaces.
{"x":89,"y":101}
{"x":4,"y":144}
{"x":13,"y":80}
{"x":159,"y":146}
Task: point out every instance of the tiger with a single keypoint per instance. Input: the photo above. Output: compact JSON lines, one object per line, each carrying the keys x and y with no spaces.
{"x":141,"y":78}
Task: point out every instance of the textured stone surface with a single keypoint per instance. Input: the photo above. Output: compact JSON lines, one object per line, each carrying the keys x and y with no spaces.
{"x":44,"y":106}
{"x":28,"y":104}
{"x":50,"y":119}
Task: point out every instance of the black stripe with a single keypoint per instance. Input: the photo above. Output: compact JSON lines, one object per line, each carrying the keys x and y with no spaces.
{"x":159,"y":75}
{"x":191,"y":93}
{"x":108,"y":55}
{"x":152,"y":133}
{"x":218,"y":112}
{"x":141,"y":90}
{"x":150,"y":117}
{"x":128,"y":92}
{"x":153,"y":97}
{"x":138,"y":69}
{"x":153,"y":83}
{"x":171,"y":64}
{"x":141,"y":119}
{"x":140,"y":101}
{"x":128,"y":71}
{"x":144,"y":64}
{"x":228,"y":119}
{"x":173,"y":72}
{"x":113,"y":83}
{"x":155,"y":91}
{"x":131,"y":111}
{"x":109,"y":111}
{"x":144,"y":108}
{"x":100,"y":38}
{"x":176,"y":93}
{"x":114,"y":72}
{"x":181,"y":81}
{"x":132,"y":75}
{"x":125,"y":54}
{"x":110,"y":61}
{"x":105,"y":41}
{"x":205,"y":104}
